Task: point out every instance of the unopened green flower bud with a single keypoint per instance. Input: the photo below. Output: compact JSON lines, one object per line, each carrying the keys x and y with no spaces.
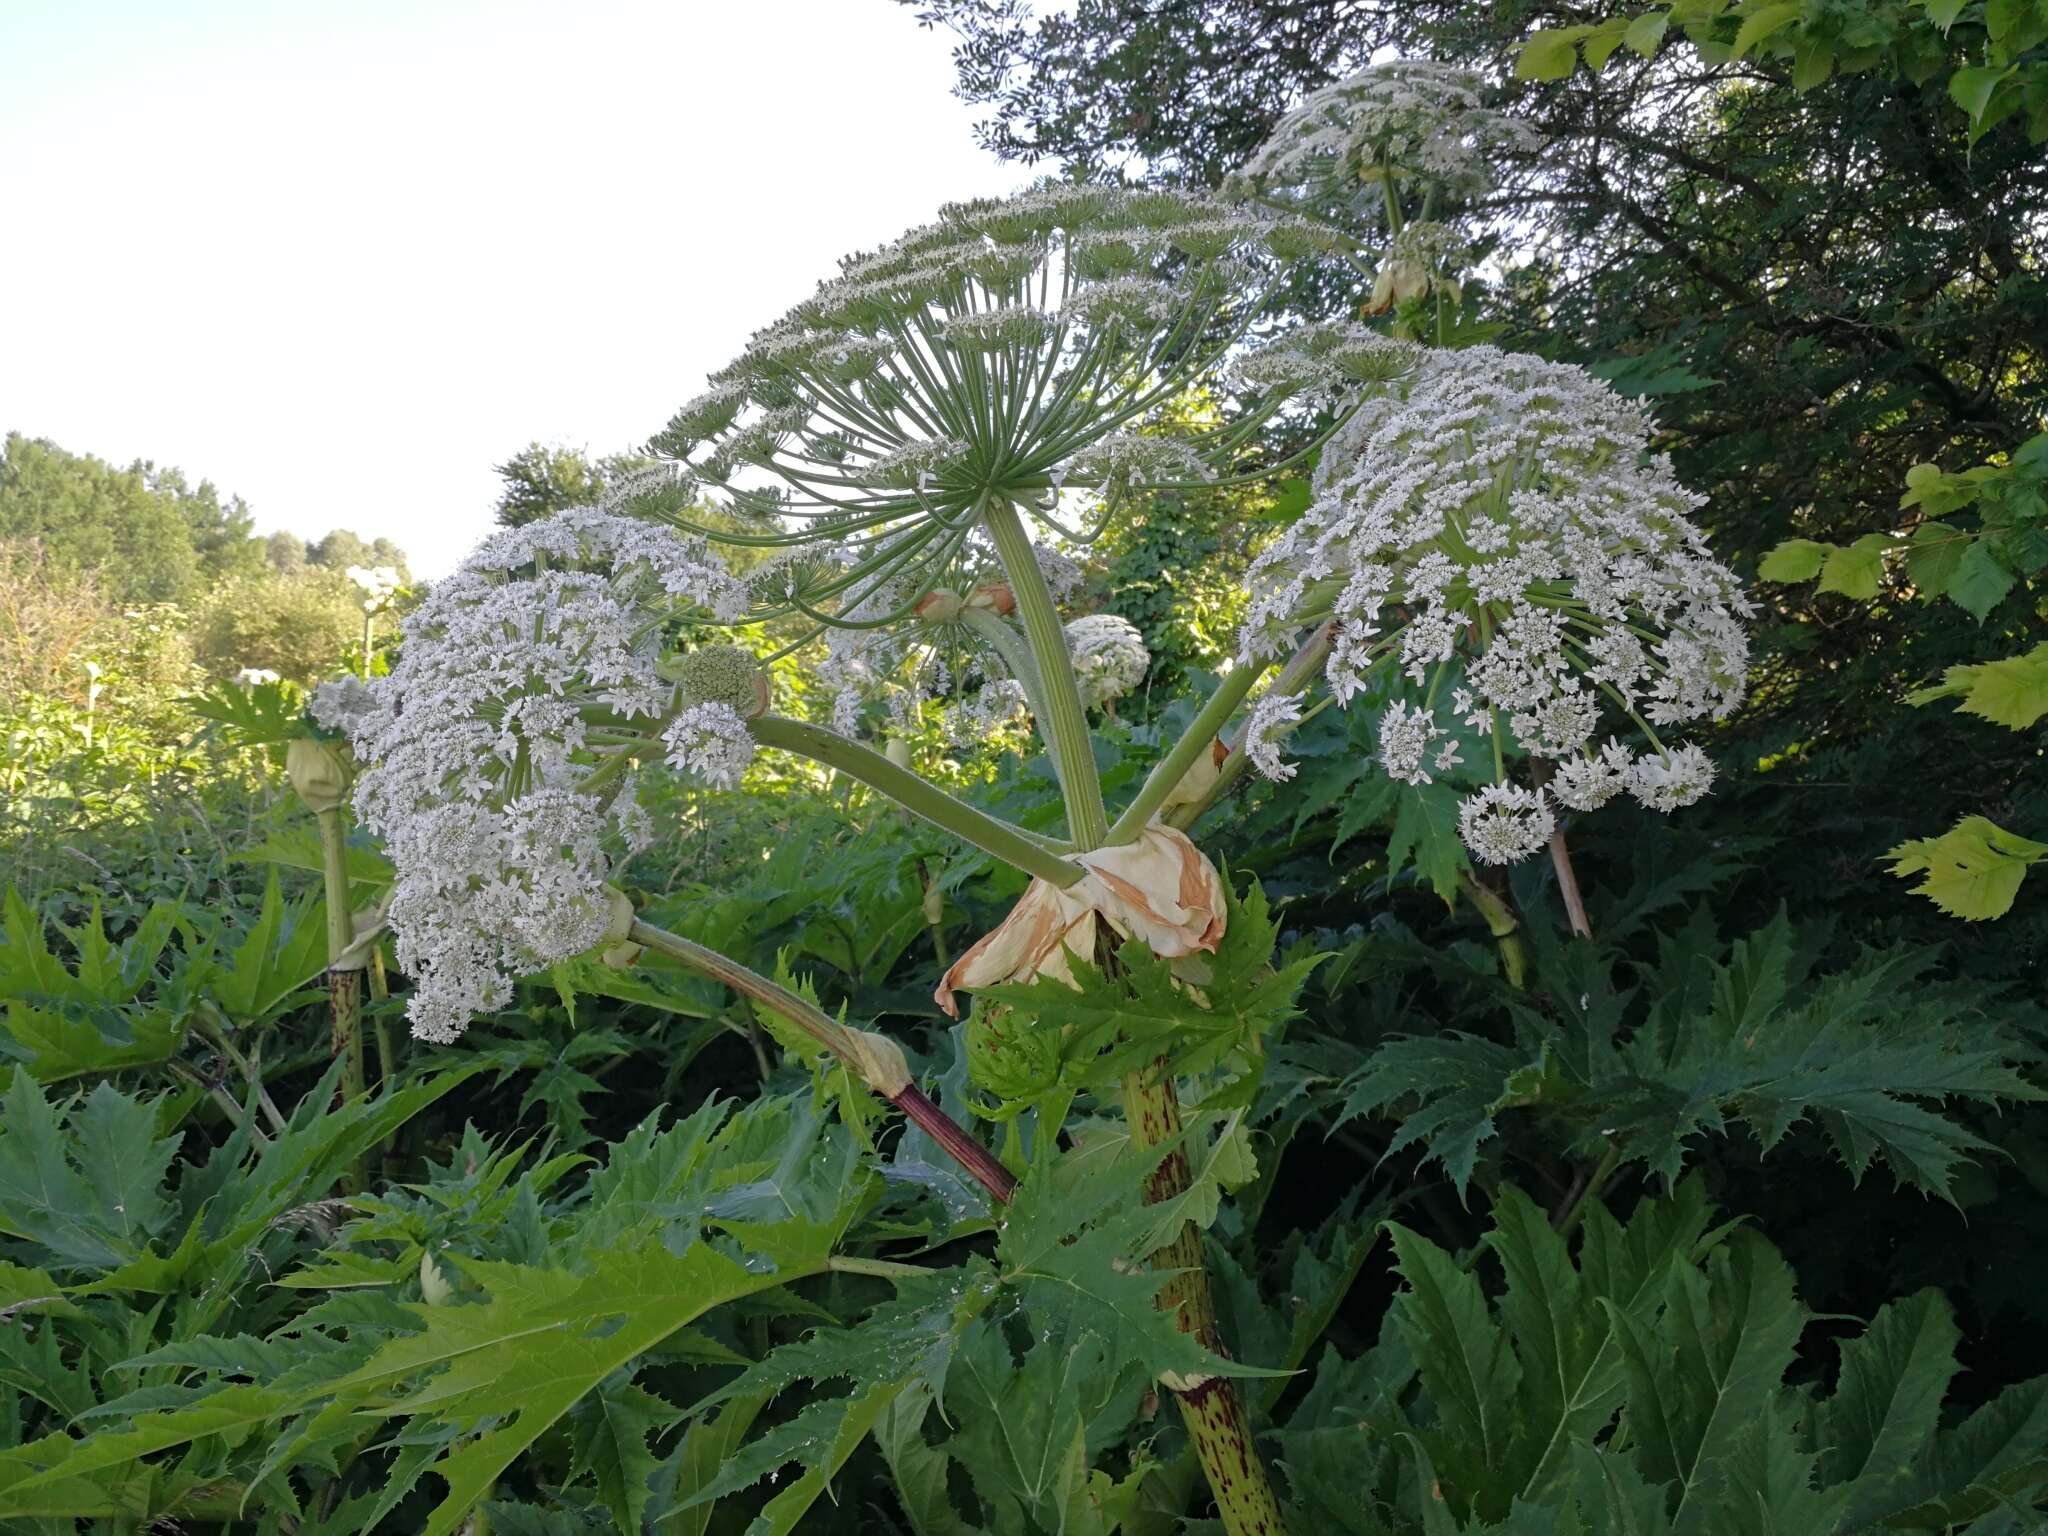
{"x":720,"y":674}
{"x":319,"y":771}
{"x":1397,"y":282}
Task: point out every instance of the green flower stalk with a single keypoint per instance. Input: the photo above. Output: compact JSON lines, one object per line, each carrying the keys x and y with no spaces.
{"x":319,"y":771}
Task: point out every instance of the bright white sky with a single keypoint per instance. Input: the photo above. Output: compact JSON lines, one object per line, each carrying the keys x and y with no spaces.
{"x":341,"y":256}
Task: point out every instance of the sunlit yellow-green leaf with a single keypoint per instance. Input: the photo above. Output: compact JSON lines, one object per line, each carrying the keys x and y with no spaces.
{"x":2012,"y":692}
{"x":1972,"y":871}
{"x":1932,"y":558}
{"x":1765,"y":22}
{"x":1795,"y":560}
{"x":1857,"y":571}
{"x":1646,"y":32}
{"x":1549,"y":55}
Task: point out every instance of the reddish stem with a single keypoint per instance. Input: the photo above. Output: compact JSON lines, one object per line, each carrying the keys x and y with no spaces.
{"x":1568,"y":885}
{"x":963,"y":1148}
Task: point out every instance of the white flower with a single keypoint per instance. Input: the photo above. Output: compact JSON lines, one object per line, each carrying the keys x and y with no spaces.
{"x":1063,"y":578}
{"x":346,"y":704}
{"x":1585,"y":783}
{"x":1671,"y":781}
{"x":1504,"y":514}
{"x":1325,"y":361}
{"x":914,"y":463}
{"x":1272,"y":718}
{"x":1408,"y":118}
{"x":1503,"y":823}
{"x":475,"y":749}
{"x":1123,"y":463}
{"x":379,"y":584}
{"x":1406,"y":732}
{"x":1561,"y":722}
{"x":1110,"y":658}
{"x":710,"y":742}
{"x":248,"y":677}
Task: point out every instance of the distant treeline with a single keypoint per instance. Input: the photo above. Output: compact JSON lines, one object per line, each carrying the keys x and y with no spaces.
{"x":145,"y":534}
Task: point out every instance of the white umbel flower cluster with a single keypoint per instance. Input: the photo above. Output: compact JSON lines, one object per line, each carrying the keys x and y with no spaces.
{"x":1500,"y":517}
{"x":1110,"y":657}
{"x":1273,"y":718}
{"x":1505,"y":823}
{"x":1408,"y":119}
{"x":476,"y":748}
{"x":710,"y":742}
{"x":1322,"y":363}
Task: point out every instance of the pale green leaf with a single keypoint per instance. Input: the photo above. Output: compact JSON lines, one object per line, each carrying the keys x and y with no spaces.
{"x":1981,"y":580}
{"x":1599,"y":43}
{"x":1813,"y":60}
{"x":1933,"y":557}
{"x":1763,"y":22}
{"x":1973,"y":87}
{"x":1972,"y":871}
{"x":1550,"y":54}
{"x":1796,"y":560}
{"x":1857,"y":571}
{"x":2012,"y":692}
{"x":1646,"y":32}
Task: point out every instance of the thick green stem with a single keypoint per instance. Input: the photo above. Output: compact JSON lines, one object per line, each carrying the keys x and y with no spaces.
{"x":1065,"y":725}
{"x":344,"y":980}
{"x":749,"y":983}
{"x":1194,"y":741}
{"x":1212,"y":1408}
{"x":870,"y":1058}
{"x":997,"y":838}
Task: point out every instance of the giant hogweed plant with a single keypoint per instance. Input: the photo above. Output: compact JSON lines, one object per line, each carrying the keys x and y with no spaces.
{"x":897,"y":437}
{"x":1488,"y":533}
